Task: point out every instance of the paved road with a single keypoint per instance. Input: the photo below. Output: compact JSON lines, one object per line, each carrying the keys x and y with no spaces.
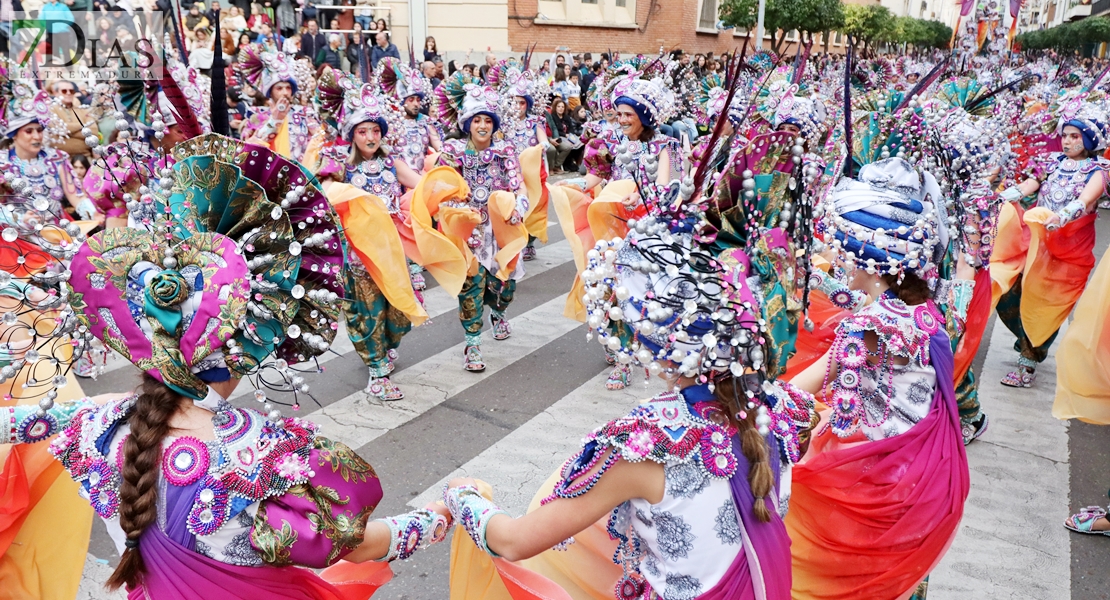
{"x":544,"y":388}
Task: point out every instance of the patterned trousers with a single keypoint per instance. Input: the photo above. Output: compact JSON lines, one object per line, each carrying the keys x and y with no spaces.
{"x":482,"y":290}
{"x":373,"y":324}
{"x":1009,"y":310}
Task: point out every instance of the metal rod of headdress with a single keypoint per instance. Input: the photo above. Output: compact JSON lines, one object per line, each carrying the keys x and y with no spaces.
{"x":848,"y":171}
{"x":220,"y":123}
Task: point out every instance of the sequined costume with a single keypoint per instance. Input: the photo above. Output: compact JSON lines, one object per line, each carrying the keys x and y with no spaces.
{"x":415,"y":140}
{"x":43,"y":175}
{"x":290,"y":137}
{"x":490,"y":170}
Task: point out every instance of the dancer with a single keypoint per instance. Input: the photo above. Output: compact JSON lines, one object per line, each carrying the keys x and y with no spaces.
{"x":380,"y":305}
{"x":526,"y":128}
{"x":413,"y":91}
{"x":693,"y":480}
{"x":282,"y":125}
{"x":891,"y":437}
{"x":1044,"y":254}
{"x":204,"y":499}
{"x":500,"y":200}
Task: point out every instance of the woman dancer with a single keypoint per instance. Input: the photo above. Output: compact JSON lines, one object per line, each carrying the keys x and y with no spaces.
{"x":380,"y":304}
{"x":691,"y":478}
{"x":492,"y":172}
{"x":879,"y":496}
{"x":202,"y":498}
{"x":1045,"y":254}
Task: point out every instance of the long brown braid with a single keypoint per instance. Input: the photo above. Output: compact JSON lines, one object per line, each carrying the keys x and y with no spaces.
{"x":142,"y":453}
{"x":761,"y":478}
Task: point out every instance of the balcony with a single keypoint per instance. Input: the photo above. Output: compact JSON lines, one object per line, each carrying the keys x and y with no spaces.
{"x":1078,"y":10}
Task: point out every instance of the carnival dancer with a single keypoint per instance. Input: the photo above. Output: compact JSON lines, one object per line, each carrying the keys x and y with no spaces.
{"x":29,"y":166}
{"x":879,"y":496}
{"x":1044,"y":254}
{"x":282,"y":126}
{"x":491,"y":171}
{"x":525,"y":128}
{"x":204,"y":499}
{"x":638,"y":155}
{"x":694,"y":480}
{"x":418,"y":135}
{"x":379,"y":301}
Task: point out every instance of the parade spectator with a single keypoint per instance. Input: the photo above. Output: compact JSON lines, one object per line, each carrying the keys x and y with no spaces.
{"x":431,"y":52}
{"x":383,"y":48}
{"x":74,"y":115}
{"x":330,"y":54}
{"x":312,"y":41}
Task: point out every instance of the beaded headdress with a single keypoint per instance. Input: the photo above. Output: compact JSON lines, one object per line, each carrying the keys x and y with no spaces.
{"x":652,"y":99}
{"x":400,"y":81}
{"x":460,"y":98}
{"x":340,"y":95}
{"x":25,"y":104}
{"x":264,"y":67}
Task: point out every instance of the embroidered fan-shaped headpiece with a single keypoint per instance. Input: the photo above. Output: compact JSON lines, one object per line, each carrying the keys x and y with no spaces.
{"x":241,"y":277}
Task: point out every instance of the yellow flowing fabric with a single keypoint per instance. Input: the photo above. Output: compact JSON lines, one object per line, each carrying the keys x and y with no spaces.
{"x":444,"y":253}
{"x":570,"y":206}
{"x":1054,"y":266}
{"x":476,"y":575}
{"x":44,"y":524}
{"x":1083,"y":359}
{"x":281,"y":143}
{"x":531,"y":166}
{"x":511,"y":239}
{"x":373,"y":237}
{"x":608,"y":217}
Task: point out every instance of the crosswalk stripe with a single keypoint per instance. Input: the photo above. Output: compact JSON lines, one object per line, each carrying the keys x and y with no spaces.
{"x":520,"y":462}
{"x":356,"y":420}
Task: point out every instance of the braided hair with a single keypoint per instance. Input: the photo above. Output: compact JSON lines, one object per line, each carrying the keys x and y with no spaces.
{"x":142,"y":453}
{"x":761,"y":479}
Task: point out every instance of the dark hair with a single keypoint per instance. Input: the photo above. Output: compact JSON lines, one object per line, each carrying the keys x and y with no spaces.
{"x":558,"y":100}
{"x":587,"y":56}
{"x":761,"y":479}
{"x":142,"y":454}
{"x":433,"y":41}
{"x":560,"y":75}
{"x":80,"y":158}
{"x":912,"y":290}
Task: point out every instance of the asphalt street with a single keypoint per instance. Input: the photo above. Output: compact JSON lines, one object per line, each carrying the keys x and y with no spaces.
{"x":544,"y":388}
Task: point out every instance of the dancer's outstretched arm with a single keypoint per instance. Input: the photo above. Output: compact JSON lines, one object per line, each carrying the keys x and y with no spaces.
{"x":562,"y":518}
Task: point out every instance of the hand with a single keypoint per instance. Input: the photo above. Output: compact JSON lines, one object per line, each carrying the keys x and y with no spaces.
{"x":1053,"y":223}
{"x":441,"y":509}
{"x":515,"y":218}
{"x":631,"y":201}
{"x":462,"y":481}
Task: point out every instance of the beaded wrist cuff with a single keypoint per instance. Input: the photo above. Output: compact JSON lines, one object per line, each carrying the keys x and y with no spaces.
{"x":1071,"y":211}
{"x":473,"y":512}
{"x":413,"y":531}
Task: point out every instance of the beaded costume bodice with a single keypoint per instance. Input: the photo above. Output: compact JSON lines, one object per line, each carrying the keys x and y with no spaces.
{"x":42,"y":174}
{"x":415,"y":139}
{"x":378,"y":176}
{"x":1065,"y":178}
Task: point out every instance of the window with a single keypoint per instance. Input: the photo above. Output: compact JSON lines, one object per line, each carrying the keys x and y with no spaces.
{"x":622,"y":3}
{"x":838,"y":39}
{"x":589,"y":1}
{"x":707,"y":19}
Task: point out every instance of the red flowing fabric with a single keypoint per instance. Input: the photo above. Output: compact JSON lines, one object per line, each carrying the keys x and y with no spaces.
{"x":978,"y":315}
{"x":172,"y":572}
{"x":870,"y":519}
{"x":810,"y":346}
